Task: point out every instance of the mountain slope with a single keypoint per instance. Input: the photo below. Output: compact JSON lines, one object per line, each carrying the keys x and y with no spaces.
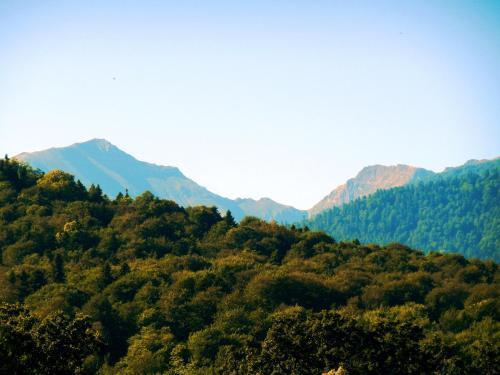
{"x":471,"y":166}
{"x":99,"y":162}
{"x":368,"y":181}
{"x":268,"y":209}
{"x":459,"y":213}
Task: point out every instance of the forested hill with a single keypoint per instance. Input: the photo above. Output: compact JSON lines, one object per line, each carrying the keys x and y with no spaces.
{"x":471,"y":166}
{"x":144,"y":286}
{"x":459,"y":211}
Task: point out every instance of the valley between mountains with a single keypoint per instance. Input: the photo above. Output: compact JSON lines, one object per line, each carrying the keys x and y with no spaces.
{"x":448,"y":211}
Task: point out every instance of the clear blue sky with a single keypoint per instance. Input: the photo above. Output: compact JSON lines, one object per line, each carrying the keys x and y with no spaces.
{"x":285,"y":99}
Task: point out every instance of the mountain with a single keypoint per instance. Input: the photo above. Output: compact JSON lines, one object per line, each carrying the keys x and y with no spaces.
{"x":268,"y":209}
{"x":368,"y":181}
{"x":99,"y":162}
{"x":471,"y":166}
{"x":457,"y":210}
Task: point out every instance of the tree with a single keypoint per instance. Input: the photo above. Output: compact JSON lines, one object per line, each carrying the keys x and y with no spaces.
{"x":60,"y":185}
{"x":187,"y":291}
{"x":53,"y":345}
{"x":95,"y":193}
{"x":58,"y":268}
{"x":106,"y":275}
{"x":229,"y":219}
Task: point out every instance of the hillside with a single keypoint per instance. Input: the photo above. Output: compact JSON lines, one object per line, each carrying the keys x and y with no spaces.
{"x":456,"y":211}
{"x":381,"y":177}
{"x":471,"y":166}
{"x":99,"y":162}
{"x":143,"y":286}
{"x":368,"y":181}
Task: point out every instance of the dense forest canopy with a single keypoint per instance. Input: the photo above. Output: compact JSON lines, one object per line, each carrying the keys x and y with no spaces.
{"x":459,"y":212}
{"x":143,"y":286}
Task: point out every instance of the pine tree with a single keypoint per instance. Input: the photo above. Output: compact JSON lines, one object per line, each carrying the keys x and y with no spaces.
{"x":106,"y":275}
{"x":229,"y":219}
{"x":58,"y":269}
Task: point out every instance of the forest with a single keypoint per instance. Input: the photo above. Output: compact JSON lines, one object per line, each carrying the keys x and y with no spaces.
{"x":457,"y":214}
{"x":90,"y":284}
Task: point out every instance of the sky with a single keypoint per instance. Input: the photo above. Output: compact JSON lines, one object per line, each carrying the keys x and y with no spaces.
{"x":280,"y":99}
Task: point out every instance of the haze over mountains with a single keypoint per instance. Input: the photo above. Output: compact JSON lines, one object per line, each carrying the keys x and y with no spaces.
{"x":97,"y":161}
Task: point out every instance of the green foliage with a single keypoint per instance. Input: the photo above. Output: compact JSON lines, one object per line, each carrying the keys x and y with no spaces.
{"x":148,"y":352}
{"x":55,"y":344}
{"x":189,"y":291}
{"x":456,"y":214}
{"x":303,"y":343}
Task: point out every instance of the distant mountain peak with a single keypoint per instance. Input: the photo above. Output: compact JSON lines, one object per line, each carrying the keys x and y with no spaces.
{"x":372,"y":171}
{"x":368,"y":181}
{"x":95,"y":144}
{"x":98,"y":161}
{"x":101,"y":143}
{"x":381,"y":177}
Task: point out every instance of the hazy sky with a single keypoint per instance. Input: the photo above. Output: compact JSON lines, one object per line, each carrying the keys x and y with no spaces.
{"x":284,"y":99}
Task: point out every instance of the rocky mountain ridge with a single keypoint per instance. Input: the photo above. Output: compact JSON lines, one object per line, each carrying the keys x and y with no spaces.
{"x":368,"y":181}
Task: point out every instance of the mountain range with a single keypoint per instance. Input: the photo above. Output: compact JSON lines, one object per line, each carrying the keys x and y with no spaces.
{"x":97,"y":161}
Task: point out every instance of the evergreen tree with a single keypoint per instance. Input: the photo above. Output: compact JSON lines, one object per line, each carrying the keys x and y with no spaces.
{"x":229,"y":219}
{"x":58,"y":268}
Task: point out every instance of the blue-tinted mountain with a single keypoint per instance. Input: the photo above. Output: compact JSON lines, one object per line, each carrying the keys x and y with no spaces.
{"x":268,"y":209}
{"x":99,"y":162}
